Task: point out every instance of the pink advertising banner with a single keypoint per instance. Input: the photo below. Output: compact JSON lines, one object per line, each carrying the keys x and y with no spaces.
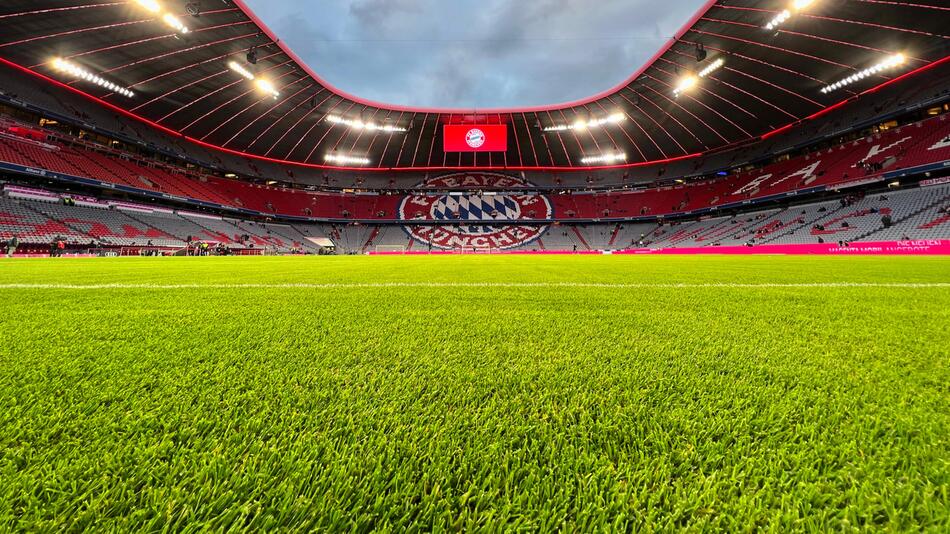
{"x":883,"y":248}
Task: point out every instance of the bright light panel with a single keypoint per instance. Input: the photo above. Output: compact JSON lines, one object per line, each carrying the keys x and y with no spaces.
{"x":686,"y":83}
{"x":150,"y":5}
{"x":712,"y":67}
{"x":173,"y":21}
{"x":795,"y":7}
{"x":360,"y":125}
{"x":891,"y":62}
{"x":690,"y":80}
{"x":266,"y":87}
{"x":260,"y":83}
{"x":581,"y":125}
{"x":346,"y":160}
{"x":64,"y":65}
{"x":604,"y":158}
{"x":236,"y":67}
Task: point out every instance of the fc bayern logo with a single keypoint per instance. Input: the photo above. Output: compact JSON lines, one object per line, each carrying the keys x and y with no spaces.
{"x":475,"y":219}
{"x":475,"y":138}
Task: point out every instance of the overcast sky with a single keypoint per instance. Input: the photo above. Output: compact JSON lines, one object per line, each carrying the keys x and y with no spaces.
{"x":475,"y":54}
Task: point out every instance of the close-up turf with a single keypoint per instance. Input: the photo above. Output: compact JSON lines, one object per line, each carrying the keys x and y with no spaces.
{"x":495,"y":392}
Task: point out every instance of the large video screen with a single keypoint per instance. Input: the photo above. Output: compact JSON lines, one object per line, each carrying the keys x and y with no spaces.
{"x":477,"y":138}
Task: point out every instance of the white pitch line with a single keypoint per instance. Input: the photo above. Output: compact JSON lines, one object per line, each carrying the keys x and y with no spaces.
{"x":463,"y":285}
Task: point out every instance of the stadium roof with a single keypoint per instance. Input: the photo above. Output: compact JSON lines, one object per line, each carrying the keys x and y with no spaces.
{"x":768,"y":80}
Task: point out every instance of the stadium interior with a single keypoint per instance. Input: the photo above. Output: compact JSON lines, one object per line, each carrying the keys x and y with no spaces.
{"x":712,"y":298}
{"x":731,"y":136}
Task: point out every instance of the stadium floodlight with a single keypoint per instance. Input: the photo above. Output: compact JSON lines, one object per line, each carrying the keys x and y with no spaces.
{"x":581,"y":125}
{"x":891,"y":62}
{"x":261,"y":84}
{"x":712,"y":67}
{"x":173,"y":21}
{"x":346,"y":160}
{"x":360,"y":125}
{"x":604,"y":158}
{"x":785,"y":14}
{"x":266,"y":87}
{"x":150,"y":5}
{"x":68,"y":67}
{"x":236,"y":67}
{"x":691,"y":80}
{"x":686,"y":83}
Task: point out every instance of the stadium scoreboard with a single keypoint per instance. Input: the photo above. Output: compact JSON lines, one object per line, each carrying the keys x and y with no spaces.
{"x":475,"y":138}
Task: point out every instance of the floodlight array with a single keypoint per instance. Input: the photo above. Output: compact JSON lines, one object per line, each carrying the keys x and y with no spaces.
{"x":261,"y":84}
{"x":64,"y":65}
{"x":712,"y":67}
{"x":581,"y":125}
{"x":236,"y":67}
{"x":891,"y":62}
{"x":175,"y":23}
{"x":604,"y":158}
{"x":785,"y":14}
{"x":343,"y":159}
{"x":360,"y":125}
{"x":153,"y":6}
{"x":691,"y":80}
{"x":266,"y":87}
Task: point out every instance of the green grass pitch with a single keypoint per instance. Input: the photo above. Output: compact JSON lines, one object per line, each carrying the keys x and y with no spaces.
{"x":475,"y":393}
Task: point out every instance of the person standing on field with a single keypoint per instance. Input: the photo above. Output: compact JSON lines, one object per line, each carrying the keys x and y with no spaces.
{"x":12,"y":245}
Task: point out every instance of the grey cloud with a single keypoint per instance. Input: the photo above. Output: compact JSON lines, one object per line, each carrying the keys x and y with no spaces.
{"x":468,"y":53}
{"x":377,"y":15}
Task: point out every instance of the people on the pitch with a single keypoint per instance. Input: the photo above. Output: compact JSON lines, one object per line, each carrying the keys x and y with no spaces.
{"x":57,"y":247}
{"x":12,"y":244}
